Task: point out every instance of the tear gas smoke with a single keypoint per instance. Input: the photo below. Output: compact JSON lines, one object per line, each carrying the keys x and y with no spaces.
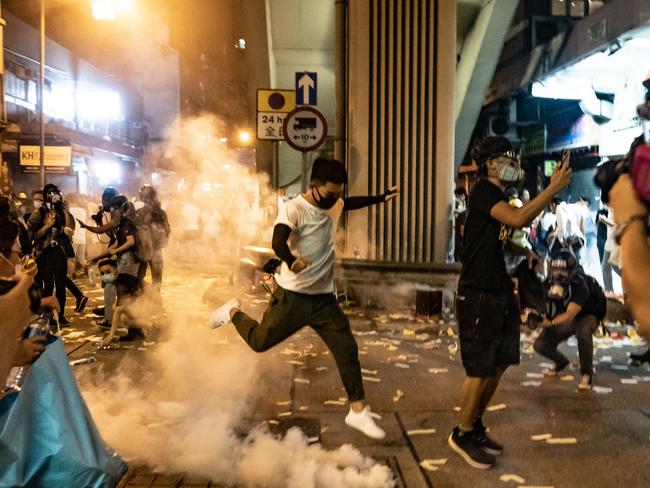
{"x":179,"y":407}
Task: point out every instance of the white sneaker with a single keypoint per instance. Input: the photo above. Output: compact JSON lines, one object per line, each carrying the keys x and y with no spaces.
{"x":556,"y":372}
{"x":363,"y":422}
{"x":585,"y":383}
{"x":221,"y":316}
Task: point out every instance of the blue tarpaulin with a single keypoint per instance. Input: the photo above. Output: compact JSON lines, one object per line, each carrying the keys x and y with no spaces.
{"x":47,"y":436}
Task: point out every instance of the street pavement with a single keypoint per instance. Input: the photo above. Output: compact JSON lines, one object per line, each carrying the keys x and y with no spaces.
{"x":554,"y":436}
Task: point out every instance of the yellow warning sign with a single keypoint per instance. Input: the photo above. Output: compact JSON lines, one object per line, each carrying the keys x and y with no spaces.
{"x":281,"y":101}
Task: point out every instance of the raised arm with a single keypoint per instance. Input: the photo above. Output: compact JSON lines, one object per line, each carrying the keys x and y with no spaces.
{"x":520,"y":217}
{"x":355,"y":203}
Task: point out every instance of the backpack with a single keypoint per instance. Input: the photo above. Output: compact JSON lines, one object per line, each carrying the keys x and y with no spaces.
{"x":597,"y":297}
{"x":143,"y":248}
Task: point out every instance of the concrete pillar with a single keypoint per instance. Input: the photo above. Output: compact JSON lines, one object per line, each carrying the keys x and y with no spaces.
{"x":478,"y":60}
{"x":446,"y":74}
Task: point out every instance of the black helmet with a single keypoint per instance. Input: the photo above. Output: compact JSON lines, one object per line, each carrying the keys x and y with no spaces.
{"x":148,"y":193}
{"x":564,"y":260}
{"x":108,"y":195}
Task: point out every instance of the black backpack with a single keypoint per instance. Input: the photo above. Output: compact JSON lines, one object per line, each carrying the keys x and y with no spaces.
{"x":597,"y":298}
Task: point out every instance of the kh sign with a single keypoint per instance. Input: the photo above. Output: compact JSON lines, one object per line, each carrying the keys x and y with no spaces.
{"x":58,"y":159}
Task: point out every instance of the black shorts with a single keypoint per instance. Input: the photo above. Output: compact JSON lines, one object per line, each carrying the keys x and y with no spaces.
{"x":488,"y":328}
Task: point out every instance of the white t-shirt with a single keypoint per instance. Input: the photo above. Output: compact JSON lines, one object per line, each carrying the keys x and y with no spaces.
{"x":312,"y":236}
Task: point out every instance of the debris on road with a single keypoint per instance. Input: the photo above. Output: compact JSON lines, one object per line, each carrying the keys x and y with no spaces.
{"x":398,"y":395}
{"x":603,"y":390}
{"x":301,"y":380}
{"x":567,"y":377}
{"x":438,"y":370}
{"x":372,"y":379}
{"x":512,"y":477}
{"x":421,"y":431}
{"x":540,"y":437}
{"x":432,"y":464}
{"x":494,"y":408}
{"x":531,"y":383}
{"x":333,"y":402}
{"x":534,"y":375}
{"x":402,"y":365}
{"x":562,"y":440}
{"x":88,"y":360}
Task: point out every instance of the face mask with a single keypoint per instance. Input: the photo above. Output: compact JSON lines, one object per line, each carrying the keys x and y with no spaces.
{"x":108,"y":278}
{"x":641,"y":172}
{"x":509,"y":169}
{"x":55,"y":198}
{"x":324,"y":202}
{"x":38,"y":204}
{"x":558,"y":288}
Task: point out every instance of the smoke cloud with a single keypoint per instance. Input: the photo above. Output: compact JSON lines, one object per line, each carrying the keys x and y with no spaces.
{"x":182,"y":405}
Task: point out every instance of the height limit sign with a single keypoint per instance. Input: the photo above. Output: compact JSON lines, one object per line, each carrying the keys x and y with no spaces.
{"x":305,"y":129}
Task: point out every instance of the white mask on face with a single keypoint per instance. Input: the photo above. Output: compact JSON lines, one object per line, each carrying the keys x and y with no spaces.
{"x":38,"y":204}
{"x":508,"y":169}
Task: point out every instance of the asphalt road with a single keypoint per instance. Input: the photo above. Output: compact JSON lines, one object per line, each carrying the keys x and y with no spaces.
{"x":414,"y":375}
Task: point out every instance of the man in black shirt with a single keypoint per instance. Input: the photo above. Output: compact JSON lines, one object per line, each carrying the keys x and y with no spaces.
{"x":488,"y":316}
{"x":575,"y":305}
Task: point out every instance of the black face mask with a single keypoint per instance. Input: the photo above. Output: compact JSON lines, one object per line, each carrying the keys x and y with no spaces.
{"x":324,"y":202}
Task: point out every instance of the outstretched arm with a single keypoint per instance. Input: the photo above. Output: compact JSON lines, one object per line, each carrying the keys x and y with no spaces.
{"x":355,"y":203}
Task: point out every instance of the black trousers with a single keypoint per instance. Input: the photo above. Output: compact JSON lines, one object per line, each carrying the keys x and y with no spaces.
{"x":156,"y":264}
{"x":53,"y":273}
{"x":288,"y":312}
{"x":550,"y":338}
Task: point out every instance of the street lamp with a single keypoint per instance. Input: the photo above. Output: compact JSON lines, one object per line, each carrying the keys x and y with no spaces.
{"x":102,"y":10}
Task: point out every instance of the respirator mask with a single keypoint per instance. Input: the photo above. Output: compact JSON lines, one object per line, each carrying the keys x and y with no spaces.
{"x":508,"y":167}
{"x":324,"y":202}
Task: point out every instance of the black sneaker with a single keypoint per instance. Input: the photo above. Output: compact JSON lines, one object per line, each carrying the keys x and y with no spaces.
{"x":99,"y":311}
{"x":103,"y":323}
{"x":63,"y":322}
{"x":488,"y":445}
{"x":466,"y":444}
{"x":81,"y":303}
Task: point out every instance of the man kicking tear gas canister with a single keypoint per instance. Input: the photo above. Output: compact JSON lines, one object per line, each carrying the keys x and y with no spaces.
{"x":303,"y":238}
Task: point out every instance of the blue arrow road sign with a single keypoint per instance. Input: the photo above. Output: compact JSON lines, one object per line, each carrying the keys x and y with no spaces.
{"x":306,"y":86}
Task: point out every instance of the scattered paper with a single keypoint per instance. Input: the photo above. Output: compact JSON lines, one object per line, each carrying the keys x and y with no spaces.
{"x":450,"y":332}
{"x":333,"y":402}
{"x":531,"y":383}
{"x":438,"y":370}
{"x":540,"y":437}
{"x":293,"y":361}
{"x":398,"y":395}
{"x":369,"y":371}
{"x":322,"y":368}
{"x":601,"y":389}
{"x":620,"y":367}
{"x":512,"y":477}
{"x":324,"y":429}
{"x":421,"y":431}
{"x":282,"y":404}
{"x":456,"y":409}
{"x":284,"y":414}
{"x":372,"y":379}
{"x":302,"y":408}
{"x":629,"y":381}
{"x":546,"y":365}
{"x":432,"y":464}
{"x":301,"y":380}
{"x":562,"y":440}
{"x":534,"y":375}
{"x":494,"y":408}
{"x":402,"y":365}
{"x":408,"y":332}
{"x":273,"y":422}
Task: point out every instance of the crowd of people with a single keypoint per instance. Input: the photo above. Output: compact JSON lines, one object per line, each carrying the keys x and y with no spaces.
{"x":52,"y":232}
{"x":507,"y":241}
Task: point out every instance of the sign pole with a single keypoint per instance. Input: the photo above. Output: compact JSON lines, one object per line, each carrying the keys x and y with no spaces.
{"x":41,"y":89}
{"x":305,"y":169}
{"x":276,"y":167}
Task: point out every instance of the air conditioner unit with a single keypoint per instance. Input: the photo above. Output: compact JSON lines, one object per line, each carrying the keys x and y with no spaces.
{"x":504,"y":123}
{"x":504,"y":126}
